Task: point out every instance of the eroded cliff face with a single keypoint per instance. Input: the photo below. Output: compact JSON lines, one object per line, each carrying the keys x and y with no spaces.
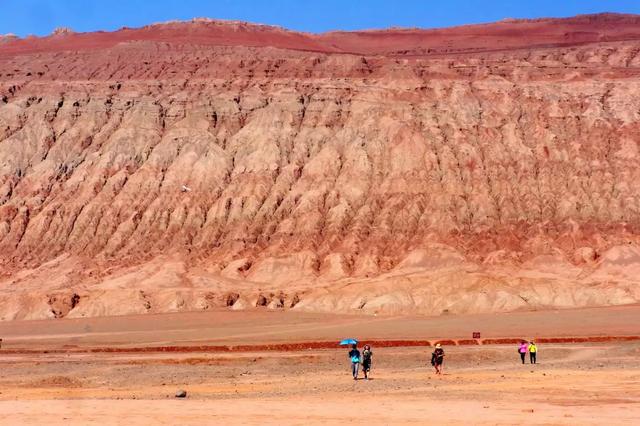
{"x":150,"y":175}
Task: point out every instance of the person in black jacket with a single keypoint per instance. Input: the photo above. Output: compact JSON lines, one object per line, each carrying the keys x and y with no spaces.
{"x":367,"y":353}
{"x":437,"y":358}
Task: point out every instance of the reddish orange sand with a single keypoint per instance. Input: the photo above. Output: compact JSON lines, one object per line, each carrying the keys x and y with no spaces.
{"x":481,"y":385}
{"x":572,"y":384}
{"x":224,"y":327}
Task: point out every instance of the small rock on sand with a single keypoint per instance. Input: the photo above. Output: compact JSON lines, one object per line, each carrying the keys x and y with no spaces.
{"x":181,"y":394}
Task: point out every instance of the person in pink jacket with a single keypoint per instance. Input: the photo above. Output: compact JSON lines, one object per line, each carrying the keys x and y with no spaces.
{"x":523,"y":349}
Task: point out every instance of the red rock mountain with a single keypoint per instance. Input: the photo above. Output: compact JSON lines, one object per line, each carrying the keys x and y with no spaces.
{"x":190,"y":165}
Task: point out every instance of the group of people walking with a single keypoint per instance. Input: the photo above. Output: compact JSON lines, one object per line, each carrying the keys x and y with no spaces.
{"x":528,"y":348}
{"x":437,"y":357}
{"x":364,"y":359}
{"x":357,"y":358}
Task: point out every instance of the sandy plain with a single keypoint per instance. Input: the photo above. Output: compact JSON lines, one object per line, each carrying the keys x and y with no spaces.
{"x":48,"y":374}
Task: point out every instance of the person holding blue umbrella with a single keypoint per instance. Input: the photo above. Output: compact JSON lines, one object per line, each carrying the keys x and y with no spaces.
{"x":354,"y":356}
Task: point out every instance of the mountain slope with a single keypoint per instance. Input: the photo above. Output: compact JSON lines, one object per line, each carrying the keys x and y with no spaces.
{"x":192,"y":165}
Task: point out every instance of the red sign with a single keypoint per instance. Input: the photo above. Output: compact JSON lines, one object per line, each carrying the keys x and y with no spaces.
{"x":476,"y":334}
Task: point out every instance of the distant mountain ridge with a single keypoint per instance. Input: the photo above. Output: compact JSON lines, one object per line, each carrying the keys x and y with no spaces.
{"x":509,"y":34}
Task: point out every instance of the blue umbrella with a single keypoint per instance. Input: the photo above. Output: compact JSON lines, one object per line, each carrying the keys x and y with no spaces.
{"x":348,"y":342}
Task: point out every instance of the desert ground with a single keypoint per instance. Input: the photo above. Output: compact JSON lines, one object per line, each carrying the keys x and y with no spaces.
{"x":49,"y":373}
{"x":210,"y":206}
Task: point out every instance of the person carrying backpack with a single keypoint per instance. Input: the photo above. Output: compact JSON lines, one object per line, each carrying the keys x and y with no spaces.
{"x":354,"y":356}
{"x":437,"y":358}
{"x":533,"y":350}
{"x":367,"y":353}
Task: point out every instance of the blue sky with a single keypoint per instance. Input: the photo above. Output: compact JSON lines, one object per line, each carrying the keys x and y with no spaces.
{"x":40,"y":17}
